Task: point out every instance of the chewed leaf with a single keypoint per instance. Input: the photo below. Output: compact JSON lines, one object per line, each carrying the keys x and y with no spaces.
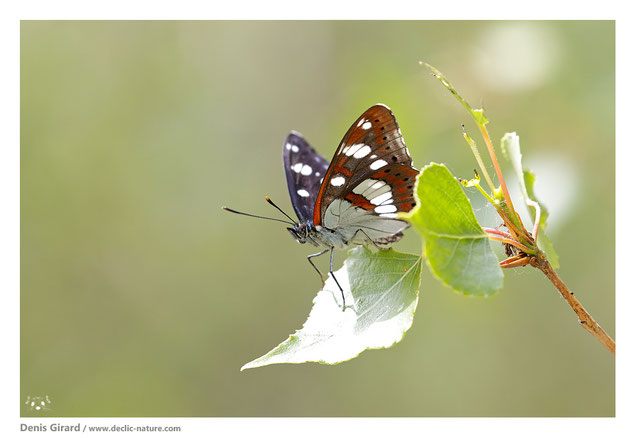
{"x":381,"y":292}
{"x":457,"y":249}
{"x":512,"y":150}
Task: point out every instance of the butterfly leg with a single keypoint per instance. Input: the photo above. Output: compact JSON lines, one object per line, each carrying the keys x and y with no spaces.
{"x":335,"y":279}
{"x":309,"y":257}
{"x":360,"y":230}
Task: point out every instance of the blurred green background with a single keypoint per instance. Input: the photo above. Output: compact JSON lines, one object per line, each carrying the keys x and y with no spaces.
{"x":141,"y":297}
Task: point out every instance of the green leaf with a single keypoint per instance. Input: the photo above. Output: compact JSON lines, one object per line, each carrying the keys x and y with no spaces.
{"x":457,"y":249}
{"x":381,"y":292}
{"x":512,"y":150}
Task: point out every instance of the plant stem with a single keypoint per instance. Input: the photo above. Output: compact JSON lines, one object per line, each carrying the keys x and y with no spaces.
{"x":515,"y":262}
{"x":496,"y":231}
{"x":473,"y":148}
{"x":495,"y":162}
{"x":586,"y":320}
{"x":511,"y":227}
{"x":511,"y":242}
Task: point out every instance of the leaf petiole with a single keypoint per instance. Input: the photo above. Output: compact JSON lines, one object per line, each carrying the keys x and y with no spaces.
{"x":516,"y":261}
{"x":499,"y":232}
{"x":473,"y":148}
{"x":495,"y":162}
{"x":514,"y":243}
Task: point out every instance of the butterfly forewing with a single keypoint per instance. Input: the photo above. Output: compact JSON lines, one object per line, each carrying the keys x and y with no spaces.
{"x":304,"y":170}
{"x":370,"y":174}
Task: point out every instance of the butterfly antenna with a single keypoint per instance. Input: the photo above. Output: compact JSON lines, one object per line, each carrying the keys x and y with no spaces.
{"x":259,"y":217}
{"x":278,"y":208}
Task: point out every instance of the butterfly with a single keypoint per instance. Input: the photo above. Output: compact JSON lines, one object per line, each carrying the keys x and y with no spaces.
{"x":355,"y":198}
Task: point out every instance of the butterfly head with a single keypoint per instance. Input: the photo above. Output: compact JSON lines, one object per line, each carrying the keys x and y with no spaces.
{"x":301,"y":231}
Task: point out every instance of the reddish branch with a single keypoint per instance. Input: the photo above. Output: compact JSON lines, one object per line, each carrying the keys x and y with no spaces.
{"x":586,"y":320}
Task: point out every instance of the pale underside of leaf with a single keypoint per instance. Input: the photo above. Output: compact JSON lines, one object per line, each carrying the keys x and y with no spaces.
{"x":381,"y":293}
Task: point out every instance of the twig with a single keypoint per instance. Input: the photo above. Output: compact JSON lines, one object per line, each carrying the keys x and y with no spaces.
{"x":586,"y":320}
{"x":523,"y":248}
{"x":515,"y":261}
{"x":496,"y":231}
{"x":480,"y":162}
{"x":495,"y":162}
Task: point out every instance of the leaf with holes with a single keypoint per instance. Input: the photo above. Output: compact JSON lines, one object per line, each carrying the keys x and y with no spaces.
{"x":512,"y":150}
{"x":381,"y":292}
{"x":457,"y":249}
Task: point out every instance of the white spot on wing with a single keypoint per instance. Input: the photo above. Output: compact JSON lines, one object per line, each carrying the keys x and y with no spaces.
{"x":386,"y":209}
{"x":288,"y":146}
{"x":294,"y":148}
{"x":378,"y":184}
{"x":366,"y":125}
{"x":362,"y":152}
{"x":337,"y":181}
{"x":306,"y":170}
{"x":389,"y":215}
{"x":302,"y":192}
{"x":382,"y":198}
{"x":297,"y":167}
{"x":353,"y":149}
{"x":364,"y":185}
{"x":377,"y":164}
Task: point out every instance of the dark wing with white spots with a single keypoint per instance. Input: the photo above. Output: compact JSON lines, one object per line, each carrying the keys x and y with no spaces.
{"x":370,"y":173}
{"x":304,"y":170}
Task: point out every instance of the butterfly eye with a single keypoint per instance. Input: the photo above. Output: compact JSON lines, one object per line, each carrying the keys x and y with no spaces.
{"x":294,"y":234}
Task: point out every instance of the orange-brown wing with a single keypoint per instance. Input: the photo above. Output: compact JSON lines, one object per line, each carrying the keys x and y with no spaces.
{"x":371,"y":168}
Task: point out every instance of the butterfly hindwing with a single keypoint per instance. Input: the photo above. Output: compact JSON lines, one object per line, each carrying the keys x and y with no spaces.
{"x":304,"y":170}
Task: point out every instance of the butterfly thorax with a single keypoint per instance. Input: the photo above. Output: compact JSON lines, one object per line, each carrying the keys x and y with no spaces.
{"x":307,"y":232}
